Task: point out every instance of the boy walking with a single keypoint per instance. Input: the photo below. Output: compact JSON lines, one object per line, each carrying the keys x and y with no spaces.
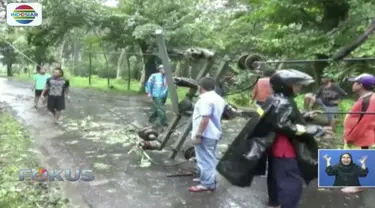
{"x":206,"y":132}
{"x":40,"y":80}
{"x":58,"y":88}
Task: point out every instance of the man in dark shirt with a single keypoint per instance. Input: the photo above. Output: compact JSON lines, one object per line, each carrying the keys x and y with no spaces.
{"x":328,"y":96}
{"x":58,"y":88}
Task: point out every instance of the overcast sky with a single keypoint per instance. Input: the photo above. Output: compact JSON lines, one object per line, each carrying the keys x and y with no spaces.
{"x":110,"y":3}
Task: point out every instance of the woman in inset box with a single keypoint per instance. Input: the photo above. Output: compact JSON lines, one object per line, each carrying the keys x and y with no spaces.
{"x":346,"y":171}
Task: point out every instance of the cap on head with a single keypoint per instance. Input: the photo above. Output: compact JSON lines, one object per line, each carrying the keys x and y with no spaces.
{"x":328,"y":76}
{"x":364,"y":79}
{"x":160,"y":67}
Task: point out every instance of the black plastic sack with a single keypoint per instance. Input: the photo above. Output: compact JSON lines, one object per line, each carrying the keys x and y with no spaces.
{"x":234,"y":166}
{"x":245,"y":157}
{"x":307,"y":159}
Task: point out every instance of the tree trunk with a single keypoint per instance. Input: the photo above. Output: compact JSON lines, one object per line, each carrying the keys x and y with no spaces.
{"x":105,"y":56}
{"x":319,"y":69}
{"x":149,"y":64}
{"x":9,"y":70}
{"x":74,"y":56}
{"x":119,"y":63}
{"x":90,"y":63}
{"x":61,"y":54}
{"x":178,"y":68}
{"x":129,"y":70}
{"x":142,"y":82}
{"x":39,"y":64}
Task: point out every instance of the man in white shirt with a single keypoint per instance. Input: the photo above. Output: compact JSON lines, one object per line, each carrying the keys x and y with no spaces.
{"x":206,"y":132}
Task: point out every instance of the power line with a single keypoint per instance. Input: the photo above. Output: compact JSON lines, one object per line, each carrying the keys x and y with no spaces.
{"x":314,"y":60}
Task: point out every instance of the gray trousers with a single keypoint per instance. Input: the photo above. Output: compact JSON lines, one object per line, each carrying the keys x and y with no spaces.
{"x":205,"y":154}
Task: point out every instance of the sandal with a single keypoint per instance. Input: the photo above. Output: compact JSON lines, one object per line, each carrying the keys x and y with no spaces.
{"x":200,"y":188}
{"x":351,"y":190}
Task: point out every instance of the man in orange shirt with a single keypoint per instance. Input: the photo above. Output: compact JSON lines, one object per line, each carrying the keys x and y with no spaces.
{"x":262,"y":90}
{"x":359,"y":129}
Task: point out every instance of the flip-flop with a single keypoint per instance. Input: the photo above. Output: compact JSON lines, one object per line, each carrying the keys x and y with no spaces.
{"x":351,"y":190}
{"x":200,"y":188}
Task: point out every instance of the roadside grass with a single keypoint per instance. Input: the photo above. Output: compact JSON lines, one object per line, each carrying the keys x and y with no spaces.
{"x":15,"y":154}
{"x":97,"y":83}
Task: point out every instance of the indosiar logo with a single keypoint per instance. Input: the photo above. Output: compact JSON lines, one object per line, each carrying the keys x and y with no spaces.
{"x":24,"y":14}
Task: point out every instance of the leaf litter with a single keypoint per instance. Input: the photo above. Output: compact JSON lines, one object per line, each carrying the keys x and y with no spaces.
{"x":111,"y":134}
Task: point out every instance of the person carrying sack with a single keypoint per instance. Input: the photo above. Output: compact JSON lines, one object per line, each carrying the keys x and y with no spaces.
{"x":282,"y":134}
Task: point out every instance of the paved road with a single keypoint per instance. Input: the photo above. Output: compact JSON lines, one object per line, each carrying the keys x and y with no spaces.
{"x":91,"y":136}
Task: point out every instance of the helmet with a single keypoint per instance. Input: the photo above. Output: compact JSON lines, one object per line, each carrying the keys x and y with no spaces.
{"x":364,"y":79}
{"x":282,"y":80}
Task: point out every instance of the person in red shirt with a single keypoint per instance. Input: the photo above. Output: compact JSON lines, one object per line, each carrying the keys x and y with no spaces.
{"x":262,"y":90}
{"x":284,"y":162}
{"x":359,"y":129}
{"x":281,"y":133}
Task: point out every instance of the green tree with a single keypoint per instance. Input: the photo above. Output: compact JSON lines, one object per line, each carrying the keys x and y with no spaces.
{"x":135,"y":22}
{"x":60,"y":17}
{"x":309,"y":29}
